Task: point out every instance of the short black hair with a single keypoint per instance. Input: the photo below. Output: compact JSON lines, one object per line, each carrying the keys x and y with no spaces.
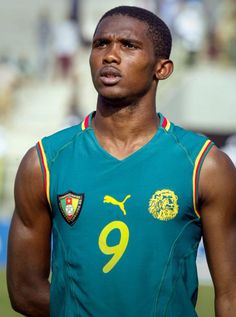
{"x":158,"y":31}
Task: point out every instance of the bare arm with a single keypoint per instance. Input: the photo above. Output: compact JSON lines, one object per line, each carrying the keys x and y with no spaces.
{"x":217,"y":190}
{"x":28,"y":264}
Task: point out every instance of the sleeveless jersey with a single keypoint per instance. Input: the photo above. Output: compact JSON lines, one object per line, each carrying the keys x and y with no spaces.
{"x":125,"y":232}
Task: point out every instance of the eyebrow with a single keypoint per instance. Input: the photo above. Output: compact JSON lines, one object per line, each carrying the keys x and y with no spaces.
{"x":131,"y":40}
{"x":108,"y":39}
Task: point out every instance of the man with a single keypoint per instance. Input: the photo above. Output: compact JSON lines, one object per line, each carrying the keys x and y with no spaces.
{"x":127,"y":195}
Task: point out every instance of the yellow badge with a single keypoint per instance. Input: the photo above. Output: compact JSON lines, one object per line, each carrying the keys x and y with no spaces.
{"x":163,"y":205}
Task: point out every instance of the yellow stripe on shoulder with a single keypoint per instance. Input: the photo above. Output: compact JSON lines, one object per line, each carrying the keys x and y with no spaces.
{"x":167,"y":125}
{"x":46,"y":172}
{"x":83,"y":125}
{"x":196,"y":172}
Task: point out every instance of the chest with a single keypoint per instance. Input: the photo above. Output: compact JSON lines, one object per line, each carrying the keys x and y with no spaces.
{"x":123,"y":213}
{"x":150,"y":191}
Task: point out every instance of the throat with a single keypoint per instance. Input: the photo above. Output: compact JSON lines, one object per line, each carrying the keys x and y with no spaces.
{"x":125,"y":132}
{"x":121,"y":149}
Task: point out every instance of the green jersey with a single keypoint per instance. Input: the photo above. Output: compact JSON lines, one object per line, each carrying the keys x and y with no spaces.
{"x":125,"y":232}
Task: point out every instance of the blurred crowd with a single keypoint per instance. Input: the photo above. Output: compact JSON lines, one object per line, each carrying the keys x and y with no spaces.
{"x":204,"y":29}
{"x":56,"y":48}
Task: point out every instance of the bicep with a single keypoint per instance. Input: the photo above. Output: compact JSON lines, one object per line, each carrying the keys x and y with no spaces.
{"x":218,"y":213}
{"x":29,"y":236}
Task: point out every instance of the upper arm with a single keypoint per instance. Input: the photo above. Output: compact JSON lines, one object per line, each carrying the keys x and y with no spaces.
{"x":30,"y":231}
{"x":217,"y":192}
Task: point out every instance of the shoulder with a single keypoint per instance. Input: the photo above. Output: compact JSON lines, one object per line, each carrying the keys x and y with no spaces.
{"x":181,"y":134}
{"x":29,"y":185}
{"x":64,"y":136}
{"x":51,"y":145}
{"x":218,"y":176}
{"x":218,"y":165}
{"x":193,"y":144}
{"x":187,"y":136}
{"x":30,"y":163}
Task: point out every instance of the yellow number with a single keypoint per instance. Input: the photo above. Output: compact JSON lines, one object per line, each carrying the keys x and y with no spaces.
{"x":118,"y":249}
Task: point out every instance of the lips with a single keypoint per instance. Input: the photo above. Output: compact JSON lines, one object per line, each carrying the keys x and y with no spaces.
{"x":110,"y":75}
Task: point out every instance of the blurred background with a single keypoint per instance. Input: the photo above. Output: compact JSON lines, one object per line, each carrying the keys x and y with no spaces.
{"x":45,"y":84}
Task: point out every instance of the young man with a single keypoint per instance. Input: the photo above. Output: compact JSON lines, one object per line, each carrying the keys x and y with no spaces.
{"x":127,"y":195}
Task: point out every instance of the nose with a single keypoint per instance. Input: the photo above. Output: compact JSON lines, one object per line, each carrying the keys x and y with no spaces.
{"x":112,"y":54}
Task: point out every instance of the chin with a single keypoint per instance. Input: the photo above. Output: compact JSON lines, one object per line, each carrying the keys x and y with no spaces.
{"x":111,"y":93}
{"x":112,"y":98}
{"x":115,"y":102}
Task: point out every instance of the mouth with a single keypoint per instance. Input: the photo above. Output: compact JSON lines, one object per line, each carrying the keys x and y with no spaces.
{"x":110,"y":75}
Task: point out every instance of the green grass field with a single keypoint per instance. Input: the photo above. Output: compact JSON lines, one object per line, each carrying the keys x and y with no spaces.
{"x":5,"y":308}
{"x":204,"y":307}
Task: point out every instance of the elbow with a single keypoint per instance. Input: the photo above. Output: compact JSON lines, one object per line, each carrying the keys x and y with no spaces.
{"x":226,"y":303}
{"x":16,"y":305}
{"x":17,"y":301}
{"x":30,"y":299}
{"x":20,"y":297}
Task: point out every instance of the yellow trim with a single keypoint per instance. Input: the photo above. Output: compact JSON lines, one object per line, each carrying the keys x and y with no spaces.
{"x":83,"y":125}
{"x":195,"y":176}
{"x":47,"y":176}
{"x":167,"y":125}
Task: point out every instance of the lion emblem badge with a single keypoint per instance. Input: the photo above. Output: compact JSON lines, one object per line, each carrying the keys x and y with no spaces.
{"x":163,"y":205}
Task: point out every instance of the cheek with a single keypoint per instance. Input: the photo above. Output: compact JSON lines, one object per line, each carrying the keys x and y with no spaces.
{"x":142,"y":65}
{"x":142,"y":72}
{"x":93,"y":69}
{"x":93,"y":62}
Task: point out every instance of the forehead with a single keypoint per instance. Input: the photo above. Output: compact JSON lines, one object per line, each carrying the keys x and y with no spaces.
{"x":122,"y":25}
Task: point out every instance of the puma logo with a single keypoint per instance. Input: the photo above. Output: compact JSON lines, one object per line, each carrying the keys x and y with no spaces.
{"x":113,"y":201}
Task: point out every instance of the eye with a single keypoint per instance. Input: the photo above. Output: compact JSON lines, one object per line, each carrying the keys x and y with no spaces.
{"x":129,"y":44}
{"x":100,"y":43}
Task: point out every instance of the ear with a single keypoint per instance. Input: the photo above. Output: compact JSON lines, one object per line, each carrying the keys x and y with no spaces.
{"x":164,"y":69}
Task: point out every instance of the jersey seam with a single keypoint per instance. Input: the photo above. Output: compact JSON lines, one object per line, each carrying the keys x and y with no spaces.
{"x":182,"y":259}
{"x":167,"y":264}
{"x":67,"y":266}
{"x":77,"y":135}
{"x":180,"y":145}
{"x":65,"y":255}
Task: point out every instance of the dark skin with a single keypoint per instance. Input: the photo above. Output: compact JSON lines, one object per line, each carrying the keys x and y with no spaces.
{"x":218,"y":213}
{"x":128,"y":54}
{"x":29,"y":242}
{"x":125,"y":73}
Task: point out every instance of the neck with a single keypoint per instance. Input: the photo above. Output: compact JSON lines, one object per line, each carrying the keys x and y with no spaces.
{"x":126,"y":122}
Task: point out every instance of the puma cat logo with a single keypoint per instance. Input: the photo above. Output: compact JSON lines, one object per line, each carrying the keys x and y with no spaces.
{"x":113,"y":201}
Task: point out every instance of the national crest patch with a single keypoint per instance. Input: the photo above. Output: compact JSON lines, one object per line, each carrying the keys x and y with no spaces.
{"x":70,"y":205}
{"x":164,"y":205}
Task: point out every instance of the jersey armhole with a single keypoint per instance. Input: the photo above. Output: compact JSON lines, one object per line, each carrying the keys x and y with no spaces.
{"x":196,"y":172}
{"x":45,"y":170}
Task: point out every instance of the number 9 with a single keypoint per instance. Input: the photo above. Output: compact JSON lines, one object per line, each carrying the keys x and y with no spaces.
{"x":118,"y":249}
